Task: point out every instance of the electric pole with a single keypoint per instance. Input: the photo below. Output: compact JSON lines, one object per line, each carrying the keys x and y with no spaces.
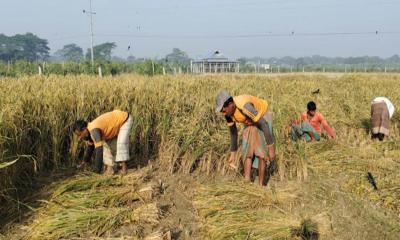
{"x":90,"y":12}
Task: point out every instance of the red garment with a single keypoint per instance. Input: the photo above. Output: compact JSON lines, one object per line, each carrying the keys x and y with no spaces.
{"x":316,"y":122}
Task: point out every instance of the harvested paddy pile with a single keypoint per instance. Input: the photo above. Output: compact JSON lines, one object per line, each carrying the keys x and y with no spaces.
{"x":321,"y":190}
{"x":91,"y":205}
{"x":239,"y":210}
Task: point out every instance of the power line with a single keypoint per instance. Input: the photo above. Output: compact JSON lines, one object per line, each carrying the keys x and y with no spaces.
{"x":292,"y":34}
{"x":272,"y":3}
{"x":257,"y":35}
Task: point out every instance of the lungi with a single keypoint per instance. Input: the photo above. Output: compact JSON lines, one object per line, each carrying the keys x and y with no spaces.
{"x":380,"y":120}
{"x":117,"y":149}
{"x":254,"y":145}
{"x":303,"y":131}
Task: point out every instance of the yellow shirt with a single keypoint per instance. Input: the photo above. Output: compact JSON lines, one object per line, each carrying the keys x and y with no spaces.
{"x":241,"y":113}
{"x":109,"y":124}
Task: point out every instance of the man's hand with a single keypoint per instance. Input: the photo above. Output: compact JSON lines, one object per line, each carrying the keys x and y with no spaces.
{"x":249,"y":122}
{"x":272,"y":161}
{"x":231,"y":160}
{"x":271,"y":152}
{"x":311,"y":134}
{"x":334,"y":137}
{"x":81,"y":166}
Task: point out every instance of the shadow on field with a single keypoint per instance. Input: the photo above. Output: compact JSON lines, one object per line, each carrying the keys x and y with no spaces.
{"x":25,"y":201}
{"x":308,"y":230}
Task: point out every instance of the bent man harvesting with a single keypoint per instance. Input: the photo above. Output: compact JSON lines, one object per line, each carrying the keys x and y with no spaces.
{"x":258,"y":140}
{"x":108,"y":137}
{"x":382,"y":110}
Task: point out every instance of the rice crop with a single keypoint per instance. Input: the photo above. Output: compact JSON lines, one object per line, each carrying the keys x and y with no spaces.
{"x":174,"y":123}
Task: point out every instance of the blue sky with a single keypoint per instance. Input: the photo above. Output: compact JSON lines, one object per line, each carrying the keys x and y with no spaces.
{"x":236,"y":28}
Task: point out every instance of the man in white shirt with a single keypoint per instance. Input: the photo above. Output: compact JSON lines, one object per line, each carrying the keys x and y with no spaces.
{"x":382,"y":110}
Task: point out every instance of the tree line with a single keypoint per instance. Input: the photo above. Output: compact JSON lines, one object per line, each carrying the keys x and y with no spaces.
{"x":23,"y":53}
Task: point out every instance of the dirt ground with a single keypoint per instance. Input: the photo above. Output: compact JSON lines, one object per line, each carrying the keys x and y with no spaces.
{"x":179,"y":219}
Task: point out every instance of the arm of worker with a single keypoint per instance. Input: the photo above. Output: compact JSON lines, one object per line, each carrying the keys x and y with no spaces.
{"x":234,"y":139}
{"x":303,"y":117}
{"x":88,"y":152}
{"x":327,"y":128}
{"x":263,"y":125}
{"x":98,"y":159}
{"x":98,"y":144}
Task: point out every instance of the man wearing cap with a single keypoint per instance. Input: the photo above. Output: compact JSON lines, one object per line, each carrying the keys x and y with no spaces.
{"x":258,"y":140}
{"x":382,"y":110}
{"x":108,"y":137}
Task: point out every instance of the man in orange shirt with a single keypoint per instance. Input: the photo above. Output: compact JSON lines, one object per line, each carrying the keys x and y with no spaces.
{"x":258,"y":141}
{"x":108,"y":137}
{"x":309,"y":127}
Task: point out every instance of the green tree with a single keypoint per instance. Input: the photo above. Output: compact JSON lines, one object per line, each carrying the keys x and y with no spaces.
{"x":102,"y":51}
{"x":7,"y":48}
{"x":23,"y":46}
{"x":177,"y":56}
{"x":70,"y":52}
{"x":149,"y":68}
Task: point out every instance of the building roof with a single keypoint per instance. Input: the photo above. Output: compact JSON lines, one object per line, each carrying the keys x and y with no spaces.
{"x":216,"y":56}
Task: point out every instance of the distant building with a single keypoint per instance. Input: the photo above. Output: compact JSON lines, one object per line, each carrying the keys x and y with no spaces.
{"x":265,"y":66}
{"x":216,"y":63}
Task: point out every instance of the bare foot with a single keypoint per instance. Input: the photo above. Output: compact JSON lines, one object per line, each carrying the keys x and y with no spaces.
{"x":109,"y":170}
{"x":124,"y":168}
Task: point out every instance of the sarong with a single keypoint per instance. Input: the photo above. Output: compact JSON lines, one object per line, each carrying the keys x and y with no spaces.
{"x":117,"y":149}
{"x":380,"y":121}
{"x":303,"y":131}
{"x":254,"y":145}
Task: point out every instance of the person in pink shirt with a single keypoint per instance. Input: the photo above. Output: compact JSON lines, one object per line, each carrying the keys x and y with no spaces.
{"x":316,"y":119}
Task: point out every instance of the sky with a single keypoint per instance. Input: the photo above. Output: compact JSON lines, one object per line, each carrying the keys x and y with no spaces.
{"x":237,"y":28}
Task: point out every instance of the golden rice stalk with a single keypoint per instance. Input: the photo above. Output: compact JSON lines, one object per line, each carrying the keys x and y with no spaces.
{"x":148,"y":213}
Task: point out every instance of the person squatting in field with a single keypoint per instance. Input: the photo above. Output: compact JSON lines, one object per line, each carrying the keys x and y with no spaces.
{"x":308,"y":128}
{"x":382,"y":110}
{"x":108,"y":137}
{"x":258,"y":139}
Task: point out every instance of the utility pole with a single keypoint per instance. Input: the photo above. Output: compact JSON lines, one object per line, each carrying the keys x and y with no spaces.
{"x":91,"y":31}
